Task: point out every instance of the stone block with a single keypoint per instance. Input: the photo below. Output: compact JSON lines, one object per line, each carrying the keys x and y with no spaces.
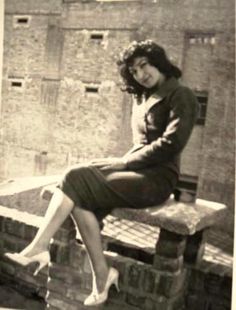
{"x":49,"y":307}
{"x":26,"y":275}
{"x":226,"y":287}
{"x":166,"y":235}
{"x":195,"y":247}
{"x":1,"y":244}
{"x":168,"y":264}
{"x":60,"y":302}
{"x":171,"y":284}
{"x":159,"y":303}
{"x":193,"y":302}
{"x":117,"y":297}
{"x":65,"y":274}
{"x":2,"y":219}
{"x":60,"y":272}
{"x":111,"y":305}
{"x":196,"y":281}
{"x":75,"y":293}
{"x":12,"y":243}
{"x":60,"y":253}
{"x":151,"y":278}
{"x":8,"y":268}
{"x":170,"y":245}
{"x":30,"y":232}
{"x":9,"y":226}
{"x":177,"y":302}
{"x":77,"y":256}
{"x":178,"y":217}
{"x":135,"y":299}
{"x":57,"y":286}
{"x":65,"y":235}
{"x":134,"y":275}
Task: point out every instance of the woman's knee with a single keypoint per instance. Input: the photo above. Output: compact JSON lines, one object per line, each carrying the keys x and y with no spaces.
{"x":75,"y":171}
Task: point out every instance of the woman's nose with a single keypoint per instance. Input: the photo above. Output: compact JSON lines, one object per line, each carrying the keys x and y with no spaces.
{"x":139,"y":74}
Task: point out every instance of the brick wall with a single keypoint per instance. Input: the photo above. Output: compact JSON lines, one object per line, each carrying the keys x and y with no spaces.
{"x":166,"y":285}
{"x":55,"y":59}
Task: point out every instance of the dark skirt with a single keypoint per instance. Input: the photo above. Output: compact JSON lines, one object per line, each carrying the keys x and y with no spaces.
{"x":99,"y":191}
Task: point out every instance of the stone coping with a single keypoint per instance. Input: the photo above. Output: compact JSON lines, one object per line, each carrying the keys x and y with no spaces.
{"x":178,"y":217}
{"x":133,"y":234}
{"x":18,"y":185}
{"x":23,"y":217}
{"x":184,"y":218}
{"x":23,"y":194}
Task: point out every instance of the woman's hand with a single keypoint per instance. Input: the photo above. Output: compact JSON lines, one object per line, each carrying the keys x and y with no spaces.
{"x":113,"y":163}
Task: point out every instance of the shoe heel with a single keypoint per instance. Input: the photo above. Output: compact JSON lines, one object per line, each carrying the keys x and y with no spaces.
{"x":40,"y":267}
{"x":116,"y":284}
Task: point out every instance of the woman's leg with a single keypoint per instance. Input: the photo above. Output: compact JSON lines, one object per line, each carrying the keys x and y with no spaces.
{"x":90,"y":232}
{"x":58,"y":210}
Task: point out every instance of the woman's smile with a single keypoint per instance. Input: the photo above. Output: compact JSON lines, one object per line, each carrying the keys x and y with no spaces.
{"x":146,"y":74}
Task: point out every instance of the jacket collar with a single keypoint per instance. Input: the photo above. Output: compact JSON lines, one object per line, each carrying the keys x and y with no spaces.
{"x":165,"y":89}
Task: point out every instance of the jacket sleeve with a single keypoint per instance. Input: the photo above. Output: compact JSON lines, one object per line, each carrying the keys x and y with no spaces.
{"x":182,"y":117}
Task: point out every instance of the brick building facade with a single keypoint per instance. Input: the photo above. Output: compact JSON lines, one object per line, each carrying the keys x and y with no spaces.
{"x":61,"y":98}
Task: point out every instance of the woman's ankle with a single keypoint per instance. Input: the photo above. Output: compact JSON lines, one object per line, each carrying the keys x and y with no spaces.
{"x":101,"y":278}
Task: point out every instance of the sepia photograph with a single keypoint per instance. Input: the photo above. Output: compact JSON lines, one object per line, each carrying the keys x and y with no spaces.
{"x":117,"y":154}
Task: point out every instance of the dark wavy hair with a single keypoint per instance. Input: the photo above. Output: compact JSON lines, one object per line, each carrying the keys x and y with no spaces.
{"x":156,"y":56}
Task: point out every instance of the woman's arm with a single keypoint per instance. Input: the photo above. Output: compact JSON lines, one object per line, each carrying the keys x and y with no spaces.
{"x":183,"y":114}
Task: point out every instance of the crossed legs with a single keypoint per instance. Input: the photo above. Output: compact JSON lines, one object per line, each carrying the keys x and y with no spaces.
{"x":58,"y":210}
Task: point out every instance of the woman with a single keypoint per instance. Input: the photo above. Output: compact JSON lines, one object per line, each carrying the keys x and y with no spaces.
{"x":164,"y":113}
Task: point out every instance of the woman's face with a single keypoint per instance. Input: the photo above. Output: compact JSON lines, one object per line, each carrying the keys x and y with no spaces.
{"x":145,"y":74}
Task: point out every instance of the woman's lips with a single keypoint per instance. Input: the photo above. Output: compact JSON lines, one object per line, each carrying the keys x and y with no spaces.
{"x":146,"y":80}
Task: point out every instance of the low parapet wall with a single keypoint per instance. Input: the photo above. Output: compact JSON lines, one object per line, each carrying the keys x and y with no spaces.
{"x":172,"y":281}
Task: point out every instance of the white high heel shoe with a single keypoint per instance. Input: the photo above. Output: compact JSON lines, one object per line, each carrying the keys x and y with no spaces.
{"x":42,"y":258}
{"x":96,"y":298}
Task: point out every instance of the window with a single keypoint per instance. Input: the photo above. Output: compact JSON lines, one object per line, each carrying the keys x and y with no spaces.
{"x":186,"y":188}
{"x":16,"y":83}
{"x":20,"y":21}
{"x":91,"y":89}
{"x":97,"y":37}
{"x":201,"y":38}
{"x":202,"y":100}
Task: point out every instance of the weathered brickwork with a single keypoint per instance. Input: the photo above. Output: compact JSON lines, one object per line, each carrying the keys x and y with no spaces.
{"x":168,"y":284}
{"x":69,"y":107}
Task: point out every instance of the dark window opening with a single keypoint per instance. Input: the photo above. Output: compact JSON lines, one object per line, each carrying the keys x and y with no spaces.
{"x":90,"y":89}
{"x":22,"y":20}
{"x":96,"y":36}
{"x":16,"y":84}
{"x":186,"y":188}
{"x":202,"y":100}
{"x":128,"y":251}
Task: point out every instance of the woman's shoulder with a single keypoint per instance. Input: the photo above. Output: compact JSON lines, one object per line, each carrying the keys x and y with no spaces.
{"x":184,"y":90}
{"x":183,"y":94}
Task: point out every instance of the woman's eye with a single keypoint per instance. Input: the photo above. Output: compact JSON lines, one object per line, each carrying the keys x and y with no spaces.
{"x":143,"y":64}
{"x":132,"y":72}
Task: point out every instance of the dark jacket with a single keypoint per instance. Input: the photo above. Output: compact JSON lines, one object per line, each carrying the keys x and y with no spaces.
{"x":161,"y":126}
